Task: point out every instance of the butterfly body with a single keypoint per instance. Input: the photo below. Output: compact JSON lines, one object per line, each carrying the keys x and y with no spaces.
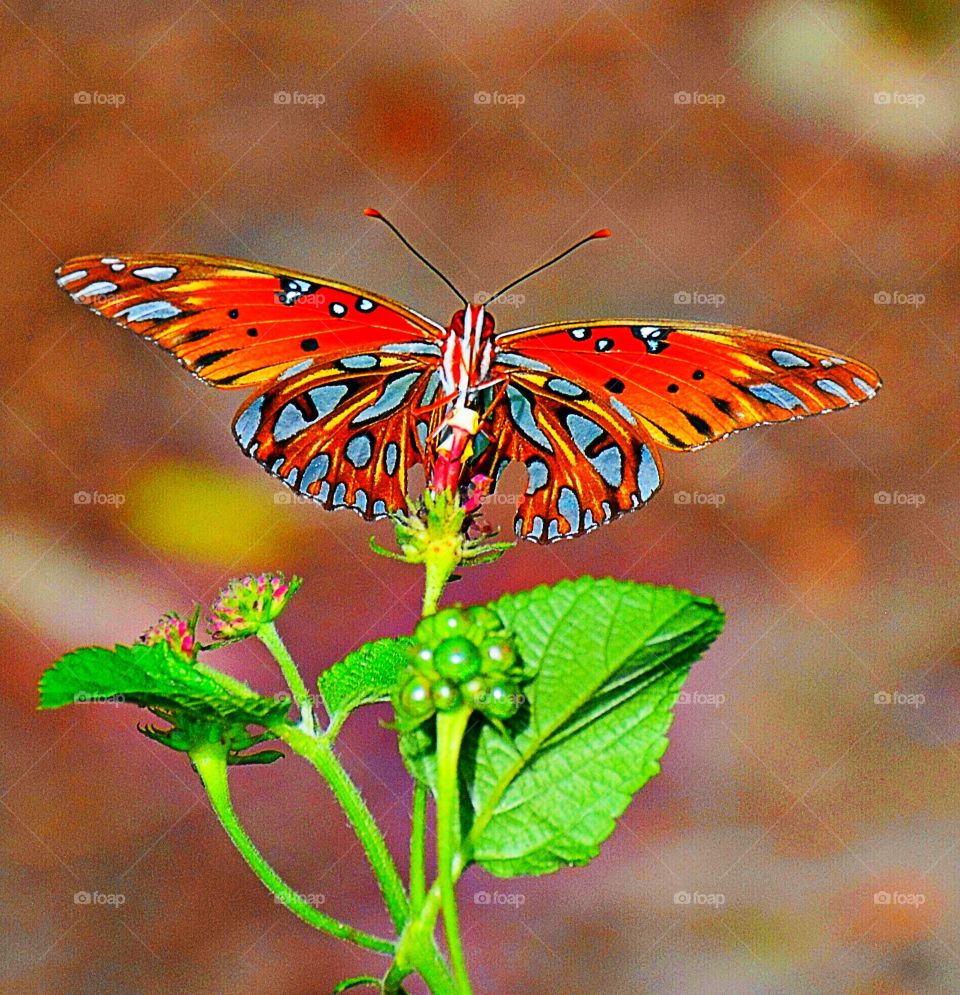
{"x":350,"y":389}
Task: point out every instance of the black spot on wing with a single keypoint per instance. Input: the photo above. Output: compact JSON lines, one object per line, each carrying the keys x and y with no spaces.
{"x":723,"y":406}
{"x":211,"y":357}
{"x":699,"y":425}
{"x":194,"y":336}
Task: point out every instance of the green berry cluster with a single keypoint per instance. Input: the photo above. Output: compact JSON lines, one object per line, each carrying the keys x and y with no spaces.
{"x":461,"y":656}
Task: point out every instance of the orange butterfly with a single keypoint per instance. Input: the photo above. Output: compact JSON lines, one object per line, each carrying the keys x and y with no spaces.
{"x":348,"y":387}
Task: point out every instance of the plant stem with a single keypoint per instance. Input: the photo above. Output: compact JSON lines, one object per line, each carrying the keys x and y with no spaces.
{"x":418,"y":841}
{"x":450,"y":729}
{"x":211,"y":764}
{"x":442,"y":558}
{"x":319,"y":753}
{"x":268,"y":635}
{"x":417,"y":951}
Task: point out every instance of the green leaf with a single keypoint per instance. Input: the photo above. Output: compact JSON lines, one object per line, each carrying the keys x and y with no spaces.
{"x":366,"y":675}
{"x":611,"y":658}
{"x":154,"y":678}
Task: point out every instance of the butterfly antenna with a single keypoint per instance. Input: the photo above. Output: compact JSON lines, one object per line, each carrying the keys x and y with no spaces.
{"x":602,"y":233}
{"x":372,"y":212}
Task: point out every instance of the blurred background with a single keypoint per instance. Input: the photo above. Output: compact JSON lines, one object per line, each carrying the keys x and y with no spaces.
{"x":788,"y":166}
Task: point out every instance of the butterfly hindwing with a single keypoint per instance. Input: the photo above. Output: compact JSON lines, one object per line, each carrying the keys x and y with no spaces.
{"x":688,"y":384}
{"x":236,"y":323}
{"x":345,"y":435}
{"x":586,"y":463}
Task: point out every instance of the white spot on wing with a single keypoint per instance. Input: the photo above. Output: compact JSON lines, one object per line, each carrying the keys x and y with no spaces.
{"x":96,"y":289}
{"x":156,"y":274}
{"x":150,"y":311}
{"x":69,"y":278}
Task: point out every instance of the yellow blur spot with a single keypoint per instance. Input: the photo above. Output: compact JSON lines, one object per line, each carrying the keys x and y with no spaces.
{"x":208,"y":516}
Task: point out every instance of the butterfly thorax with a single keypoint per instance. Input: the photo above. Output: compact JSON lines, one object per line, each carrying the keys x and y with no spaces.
{"x":467,"y":354}
{"x":466,"y":358}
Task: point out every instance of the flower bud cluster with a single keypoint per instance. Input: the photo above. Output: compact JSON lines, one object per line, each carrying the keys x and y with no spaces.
{"x":461,"y":656}
{"x":248,"y":603}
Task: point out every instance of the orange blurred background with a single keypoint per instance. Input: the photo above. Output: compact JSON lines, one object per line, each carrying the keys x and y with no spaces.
{"x":793,"y":167}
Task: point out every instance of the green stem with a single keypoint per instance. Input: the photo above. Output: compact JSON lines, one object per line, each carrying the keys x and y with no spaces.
{"x":319,"y":753}
{"x":268,"y":635}
{"x":418,"y":834}
{"x":211,"y":764}
{"x":450,"y":729}
{"x":442,"y":558}
{"x":417,"y":951}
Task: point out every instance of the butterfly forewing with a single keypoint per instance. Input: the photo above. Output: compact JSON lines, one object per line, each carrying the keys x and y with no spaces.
{"x":345,"y":435}
{"x":239,"y":324}
{"x":690,"y":384}
{"x":587,"y":403}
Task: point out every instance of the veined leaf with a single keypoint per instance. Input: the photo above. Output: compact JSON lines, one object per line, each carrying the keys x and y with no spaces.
{"x":366,"y":675}
{"x":611,"y":658}
{"x":152,"y":677}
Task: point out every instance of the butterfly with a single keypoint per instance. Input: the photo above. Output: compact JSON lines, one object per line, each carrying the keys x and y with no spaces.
{"x":348,"y":389}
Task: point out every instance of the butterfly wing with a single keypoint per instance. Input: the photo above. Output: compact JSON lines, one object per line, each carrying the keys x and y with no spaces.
{"x":345,"y":435}
{"x":679,"y":386}
{"x":239,"y":324}
{"x":586,"y":463}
